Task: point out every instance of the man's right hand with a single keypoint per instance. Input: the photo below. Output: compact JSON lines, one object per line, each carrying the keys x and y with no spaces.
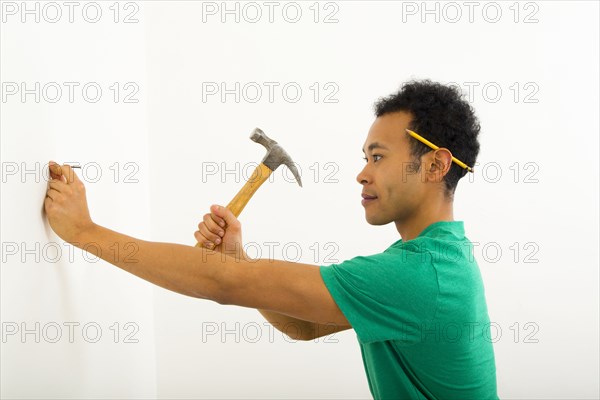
{"x":220,"y":230}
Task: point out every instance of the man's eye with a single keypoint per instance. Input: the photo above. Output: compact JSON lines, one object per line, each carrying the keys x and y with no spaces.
{"x":375,"y":159}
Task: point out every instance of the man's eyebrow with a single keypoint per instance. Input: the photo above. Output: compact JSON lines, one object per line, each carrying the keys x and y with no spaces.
{"x":376,"y":145}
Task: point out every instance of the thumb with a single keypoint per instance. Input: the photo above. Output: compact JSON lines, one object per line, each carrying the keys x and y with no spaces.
{"x":226,"y":214}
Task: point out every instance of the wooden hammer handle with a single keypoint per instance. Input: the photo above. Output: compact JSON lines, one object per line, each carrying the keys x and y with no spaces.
{"x":236,"y":205}
{"x":259,"y":176}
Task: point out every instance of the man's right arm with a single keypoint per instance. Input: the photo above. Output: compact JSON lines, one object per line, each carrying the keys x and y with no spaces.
{"x":221,"y":230}
{"x":298,"y":329}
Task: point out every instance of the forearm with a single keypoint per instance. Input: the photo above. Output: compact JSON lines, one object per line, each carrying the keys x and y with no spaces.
{"x":293,"y":327}
{"x":300,"y":329}
{"x":296,"y":328}
{"x":188,"y":270}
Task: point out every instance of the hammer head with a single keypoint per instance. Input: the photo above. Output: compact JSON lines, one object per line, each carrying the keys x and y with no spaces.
{"x":276,"y":155}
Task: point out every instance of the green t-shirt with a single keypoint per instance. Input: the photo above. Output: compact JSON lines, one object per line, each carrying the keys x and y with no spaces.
{"x":420,"y":317}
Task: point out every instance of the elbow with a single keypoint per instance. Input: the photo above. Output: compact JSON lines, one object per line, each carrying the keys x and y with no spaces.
{"x":223,"y":287}
{"x":301,"y":332}
{"x":214,"y":291}
{"x":222,"y":301}
{"x":304,"y":338}
{"x":226,"y":293}
{"x":223,"y":296}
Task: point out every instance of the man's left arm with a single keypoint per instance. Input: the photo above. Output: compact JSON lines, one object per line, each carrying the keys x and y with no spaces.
{"x":289,"y":288}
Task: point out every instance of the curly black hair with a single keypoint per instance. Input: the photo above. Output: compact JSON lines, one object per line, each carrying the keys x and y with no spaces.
{"x":440,"y":115}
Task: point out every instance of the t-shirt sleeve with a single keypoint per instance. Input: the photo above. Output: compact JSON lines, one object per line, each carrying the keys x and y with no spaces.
{"x":385,"y":296}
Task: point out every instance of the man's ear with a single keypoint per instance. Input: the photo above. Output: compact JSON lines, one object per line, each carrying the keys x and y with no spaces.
{"x":440,"y":164}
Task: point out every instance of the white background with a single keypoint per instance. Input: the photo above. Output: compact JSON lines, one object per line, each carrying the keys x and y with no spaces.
{"x":179,"y":148}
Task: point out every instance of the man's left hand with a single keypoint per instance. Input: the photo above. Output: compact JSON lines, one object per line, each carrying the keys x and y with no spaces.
{"x":66,"y":204}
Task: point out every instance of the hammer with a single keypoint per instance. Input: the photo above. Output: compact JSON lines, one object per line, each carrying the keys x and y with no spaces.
{"x":275,"y":157}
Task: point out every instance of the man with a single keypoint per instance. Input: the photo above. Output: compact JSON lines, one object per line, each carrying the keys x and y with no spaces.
{"x":418,"y":308}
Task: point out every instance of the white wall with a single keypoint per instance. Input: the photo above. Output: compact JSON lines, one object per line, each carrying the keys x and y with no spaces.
{"x":110,"y":352}
{"x":545,"y":312}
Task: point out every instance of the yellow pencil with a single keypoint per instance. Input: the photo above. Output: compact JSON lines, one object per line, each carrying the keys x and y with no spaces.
{"x":433,"y":146}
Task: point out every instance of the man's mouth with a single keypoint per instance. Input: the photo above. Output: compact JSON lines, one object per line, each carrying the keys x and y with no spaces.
{"x":368,"y":198}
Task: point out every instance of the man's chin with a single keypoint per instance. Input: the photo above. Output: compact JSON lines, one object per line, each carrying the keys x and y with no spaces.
{"x":376,"y":220}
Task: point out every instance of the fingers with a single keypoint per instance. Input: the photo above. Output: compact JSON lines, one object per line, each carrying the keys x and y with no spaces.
{"x":207,"y":238}
{"x":226,"y":215}
{"x":216,"y":216}
{"x":214,"y":231}
{"x":58,"y":185}
{"x":53,"y":194}
{"x":212,"y":224}
{"x":57,"y":171}
{"x":212,"y":228}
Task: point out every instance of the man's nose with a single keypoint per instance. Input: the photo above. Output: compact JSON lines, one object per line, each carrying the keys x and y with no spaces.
{"x":363,"y":177}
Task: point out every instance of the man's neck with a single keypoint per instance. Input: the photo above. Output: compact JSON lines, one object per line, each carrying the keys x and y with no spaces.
{"x":410,"y":229}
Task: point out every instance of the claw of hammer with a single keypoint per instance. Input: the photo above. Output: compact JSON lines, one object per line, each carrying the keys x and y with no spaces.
{"x":276,"y":155}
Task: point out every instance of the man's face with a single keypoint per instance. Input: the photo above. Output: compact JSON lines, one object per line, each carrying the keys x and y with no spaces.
{"x":393,"y":190}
